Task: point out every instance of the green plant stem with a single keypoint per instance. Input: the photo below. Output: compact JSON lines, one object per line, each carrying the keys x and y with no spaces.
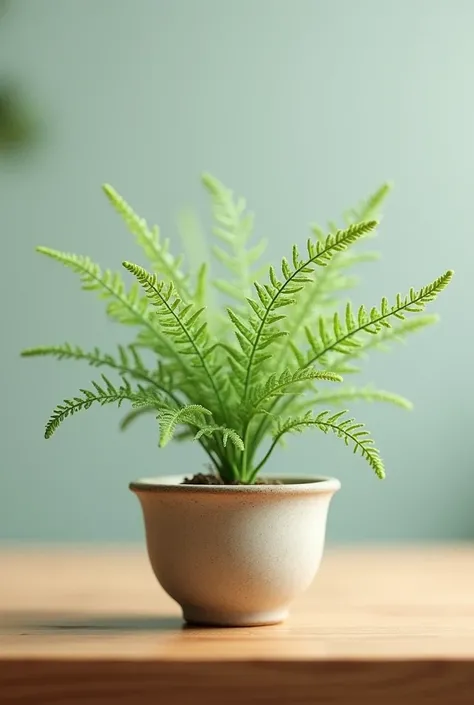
{"x":259,"y":435}
{"x":265,"y":458}
{"x":245,"y":454}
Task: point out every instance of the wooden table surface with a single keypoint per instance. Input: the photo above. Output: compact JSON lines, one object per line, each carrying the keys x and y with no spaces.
{"x":379,"y":626}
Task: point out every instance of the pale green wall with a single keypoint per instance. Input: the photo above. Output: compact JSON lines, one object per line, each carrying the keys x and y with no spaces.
{"x":304,"y":106}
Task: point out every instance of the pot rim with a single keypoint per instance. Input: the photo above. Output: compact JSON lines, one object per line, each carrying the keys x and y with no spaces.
{"x":291,"y":485}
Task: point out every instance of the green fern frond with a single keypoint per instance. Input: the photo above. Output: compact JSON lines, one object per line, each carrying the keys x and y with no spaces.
{"x":298,"y":404}
{"x":316,"y":297}
{"x":193,"y":238}
{"x":396,"y":334}
{"x":192,"y":414}
{"x":198,"y":252}
{"x":103,"y":394}
{"x":370,"y":207}
{"x":127,"y":362}
{"x":261,"y":331}
{"x":342,"y":335}
{"x":182,"y":322}
{"x":184,"y":325}
{"x":278,"y":385}
{"x":157,"y":252}
{"x":349,"y":394}
{"x":126,"y":307}
{"x":234,"y":228}
{"x":346,"y":428}
{"x":333,"y":280}
{"x":228,"y":434}
{"x":200,"y":293}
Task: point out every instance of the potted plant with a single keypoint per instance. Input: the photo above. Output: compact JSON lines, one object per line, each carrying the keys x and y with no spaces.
{"x":234,"y":547}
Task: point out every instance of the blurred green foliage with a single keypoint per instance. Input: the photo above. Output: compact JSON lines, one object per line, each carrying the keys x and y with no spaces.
{"x":18,"y":128}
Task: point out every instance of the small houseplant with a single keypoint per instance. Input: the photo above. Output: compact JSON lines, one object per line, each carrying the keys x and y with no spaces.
{"x":230,"y":547}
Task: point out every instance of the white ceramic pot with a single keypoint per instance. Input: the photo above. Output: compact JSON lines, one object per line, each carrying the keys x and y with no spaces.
{"x":235,"y":555}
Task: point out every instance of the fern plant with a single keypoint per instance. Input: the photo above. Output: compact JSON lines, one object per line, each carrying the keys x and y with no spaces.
{"x":273,"y":359}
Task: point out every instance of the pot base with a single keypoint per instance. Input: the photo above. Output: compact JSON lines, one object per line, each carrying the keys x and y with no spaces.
{"x":209,"y":618}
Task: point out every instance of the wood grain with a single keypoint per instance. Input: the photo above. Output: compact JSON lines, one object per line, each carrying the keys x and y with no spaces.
{"x":378,"y":626}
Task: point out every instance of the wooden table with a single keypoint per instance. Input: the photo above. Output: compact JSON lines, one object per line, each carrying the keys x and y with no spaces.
{"x":379,"y":627}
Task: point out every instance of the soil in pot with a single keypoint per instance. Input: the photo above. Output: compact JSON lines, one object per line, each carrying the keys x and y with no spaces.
{"x":210,"y":479}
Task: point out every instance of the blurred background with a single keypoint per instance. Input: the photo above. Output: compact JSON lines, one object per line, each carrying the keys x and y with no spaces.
{"x":304,"y":107}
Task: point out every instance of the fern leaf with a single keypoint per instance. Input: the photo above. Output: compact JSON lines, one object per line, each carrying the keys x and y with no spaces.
{"x":128,"y":362}
{"x":197,"y":251}
{"x":333,"y":280}
{"x":273,"y":297}
{"x":349,"y":394}
{"x":129,"y":307}
{"x":397,"y":333}
{"x":234,"y":228}
{"x":200,"y":294}
{"x":325,"y":349}
{"x":279,"y":385}
{"x":182,"y":322}
{"x":192,"y":414}
{"x":105,"y":393}
{"x":344,"y":335}
{"x":369,"y":208}
{"x":156,"y":251}
{"x":144,"y":410}
{"x":124,"y":307}
{"x":184,"y":325}
{"x":346,"y":428}
{"x":296,"y":405}
{"x":318,"y":296}
{"x":228,"y":434}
